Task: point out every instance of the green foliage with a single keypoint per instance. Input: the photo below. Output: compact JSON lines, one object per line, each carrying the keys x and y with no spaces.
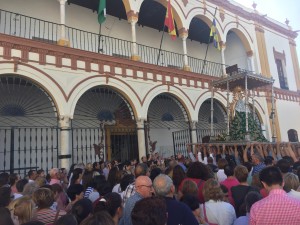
{"x":237,"y":130}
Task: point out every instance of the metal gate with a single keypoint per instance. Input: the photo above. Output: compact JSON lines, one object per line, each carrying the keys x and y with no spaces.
{"x":83,"y":140}
{"x":180,"y":140}
{"x":122,"y":143}
{"x":25,"y":148}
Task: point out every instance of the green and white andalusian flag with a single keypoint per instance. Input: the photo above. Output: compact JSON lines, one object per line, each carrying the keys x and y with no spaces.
{"x":102,"y":11}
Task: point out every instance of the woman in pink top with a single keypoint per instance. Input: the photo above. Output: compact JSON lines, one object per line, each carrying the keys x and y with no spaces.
{"x":230,"y":181}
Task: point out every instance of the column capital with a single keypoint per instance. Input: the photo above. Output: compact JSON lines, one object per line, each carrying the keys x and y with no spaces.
{"x":183,"y":33}
{"x":64,"y":122}
{"x":62,"y":2}
{"x":132,"y":17}
{"x":250,"y":53}
{"x":193,"y":124}
{"x":140,"y":123}
{"x":222,"y":45}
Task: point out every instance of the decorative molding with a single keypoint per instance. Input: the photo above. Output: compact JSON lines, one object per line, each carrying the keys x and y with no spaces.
{"x":279,"y":55}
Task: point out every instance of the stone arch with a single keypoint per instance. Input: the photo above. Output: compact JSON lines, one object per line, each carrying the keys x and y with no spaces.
{"x":176,"y":92}
{"x":177,"y":13}
{"x":116,"y":84}
{"x":50,"y":86}
{"x":244,"y":36}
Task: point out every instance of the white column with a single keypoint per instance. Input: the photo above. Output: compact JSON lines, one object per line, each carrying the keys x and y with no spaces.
{"x":212,"y":113}
{"x":134,"y":51}
{"x":250,"y":61}
{"x":62,"y":40}
{"x":141,"y":137}
{"x":64,"y":123}
{"x":223,"y":47}
{"x":193,"y":131}
{"x":184,"y":34}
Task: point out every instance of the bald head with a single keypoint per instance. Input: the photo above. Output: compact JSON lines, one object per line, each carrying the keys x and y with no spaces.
{"x":143,"y":186}
{"x":163,"y":185}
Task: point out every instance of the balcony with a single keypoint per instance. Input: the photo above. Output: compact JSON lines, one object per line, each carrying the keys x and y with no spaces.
{"x":48,"y":32}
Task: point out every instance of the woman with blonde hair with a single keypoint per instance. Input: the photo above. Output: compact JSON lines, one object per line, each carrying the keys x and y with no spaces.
{"x":44,"y":199}
{"x":291,"y":185}
{"x":215,"y":210}
{"x":22,"y":209}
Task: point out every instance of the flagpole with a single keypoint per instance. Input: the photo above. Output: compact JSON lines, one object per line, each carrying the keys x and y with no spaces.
{"x":99,"y":38}
{"x":162,"y":37}
{"x":204,"y":63}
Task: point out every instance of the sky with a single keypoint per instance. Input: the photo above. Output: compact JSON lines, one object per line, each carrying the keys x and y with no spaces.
{"x":279,"y":10}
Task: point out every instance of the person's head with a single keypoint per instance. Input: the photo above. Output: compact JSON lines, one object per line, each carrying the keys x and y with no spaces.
{"x":41,"y":173}
{"x":68,"y":219}
{"x":198,"y":170}
{"x":43,"y":198}
{"x":155,"y":172}
{"x":29,"y":188}
{"x":256,"y":181}
{"x":222,"y":163}
{"x":89,"y":167}
{"x":256,"y":159}
{"x":229,"y":170}
{"x":141,"y":170}
{"x":144,"y":159}
{"x":75,"y":192}
{"x":241,"y":173}
{"x":149,"y":211}
{"x":225,"y":193}
{"x":4,"y":179}
{"x":114,"y":176}
{"x":126,"y":180}
{"x":163,"y":185}
{"x":271,"y":177}
{"x":56,"y":189}
{"x":193,"y":203}
{"x":212,"y":190}
{"x":189,"y":187}
{"x":82,"y":209}
{"x":291,"y":182}
{"x":5,"y":216}
{"x":283,"y":165}
{"x":96,"y":166}
{"x":269,"y":160}
{"x":54,"y":173}
{"x":251,"y":198}
{"x":21,"y":184}
{"x":40,"y":181}
{"x":210,"y":160}
{"x":32,"y":174}
{"x":23,"y":208}
{"x":77,"y":176}
{"x":13,"y":179}
{"x":112,"y":203}
{"x":178,"y":175}
{"x":99,"y":218}
{"x":143,"y":186}
{"x":5,"y":196}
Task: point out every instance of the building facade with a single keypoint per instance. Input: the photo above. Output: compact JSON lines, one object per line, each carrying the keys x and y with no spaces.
{"x":74,"y":91}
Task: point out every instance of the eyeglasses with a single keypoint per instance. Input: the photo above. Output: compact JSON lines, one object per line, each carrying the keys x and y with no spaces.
{"x":148,"y":186}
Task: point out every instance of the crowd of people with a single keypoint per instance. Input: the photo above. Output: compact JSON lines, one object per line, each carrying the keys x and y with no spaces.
{"x":225,"y":184}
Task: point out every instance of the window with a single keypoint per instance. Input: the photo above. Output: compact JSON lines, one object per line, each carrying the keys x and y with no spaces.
{"x":280,"y":64}
{"x":282,"y":78}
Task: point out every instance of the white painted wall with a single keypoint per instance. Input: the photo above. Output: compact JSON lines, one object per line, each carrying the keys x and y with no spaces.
{"x":288,"y":116}
{"x":235,"y":52}
{"x":280,"y":44}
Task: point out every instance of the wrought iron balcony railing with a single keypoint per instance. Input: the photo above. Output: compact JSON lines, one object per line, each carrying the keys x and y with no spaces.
{"x":49,"y":32}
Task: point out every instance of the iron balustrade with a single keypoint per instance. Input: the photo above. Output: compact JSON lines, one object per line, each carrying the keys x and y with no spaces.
{"x":44,"y":31}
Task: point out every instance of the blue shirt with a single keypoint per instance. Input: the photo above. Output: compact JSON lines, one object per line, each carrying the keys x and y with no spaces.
{"x":130,"y":203}
{"x":257,"y":168}
{"x":179,"y":213}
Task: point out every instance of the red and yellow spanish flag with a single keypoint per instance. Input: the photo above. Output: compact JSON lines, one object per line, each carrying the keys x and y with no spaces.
{"x":169,"y":21}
